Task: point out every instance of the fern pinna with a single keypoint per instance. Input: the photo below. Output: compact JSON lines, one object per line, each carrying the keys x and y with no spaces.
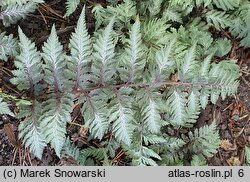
{"x":143,"y":86}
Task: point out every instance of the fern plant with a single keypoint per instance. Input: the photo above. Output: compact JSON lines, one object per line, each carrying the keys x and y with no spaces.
{"x":140,"y":90}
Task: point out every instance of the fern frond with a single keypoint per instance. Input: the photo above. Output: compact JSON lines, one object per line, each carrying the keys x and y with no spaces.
{"x":155,"y":7}
{"x":204,"y":75}
{"x":11,"y":14}
{"x":4,"y":109}
{"x":226,"y":75}
{"x":165,"y":61}
{"x":99,"y":13}
{"x":69,"y":149}
{"x":29,"y":65}
{"x":95,"y":113}
{"x":189,"y":67}
{"x":185,"y":6}
{"x":55,"y":115}
{"x":153,"y":139}
{"x":173,"y":143}
{"x":54,"y":61}
{"x":172,"y":158}
{"x":132,"y":62}
{"x":121,"y":115}
{"x":57,"y":108}
{"x":218,"y":19}
{"x":103,"y":63}
{"x":8,"y":46}
{"x":205,"y":140}
{"x":204,"y":95}
{"x":170,"y":151}
{"x":205,"y":67}
{"x":240,"y":26}
{"x":222,"y":46}
{"x":141,"y":155}
{"x":193,"y":106}
{"x":124,"y":11}
{"x":154,"y":31}
{"x":198,"y":161}
{"x":226,"y":4}
{"x":150,"y":104}
{"x":71,"y":6}
{"x":97,"y":153}
{"x":171,"y":14}
{"x":80,"y":49}
{"x":176,"y":103}
{"x":30,"y":129}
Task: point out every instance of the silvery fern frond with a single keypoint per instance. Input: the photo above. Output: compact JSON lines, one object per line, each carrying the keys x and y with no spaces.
{"x":151,"y":107}
{"x":205,"y":140}
{"x":11,"y":14}
{"x":29,"y":65}
{"x":132,"y":63}
{"x":121,"y":115}
{"x":155,"y":7}
{"x":226,"y":4}
{"x":8,"y":46}
{"x":56,"y":109}
{"x":171,"y":14}
{"x":55,"y":115}
{"x":104,"y":52}
{"x":223,"y":74}
{"x":141,"y":155}
{"x":198,"y":160}
{"x":218,"y":19}
{"x":176,"y":102}
{"x":81,"y":49}
{"x":71,"y":6}
{"x":27,"y":76}
{"x":94,"y":112}
{"x":240,"y":26}
{"x":165,"y":61}
{"x":189,"y":67}
{"x":30,"y":129}
{"x":222,"y":47}
{"x":54,"y":61}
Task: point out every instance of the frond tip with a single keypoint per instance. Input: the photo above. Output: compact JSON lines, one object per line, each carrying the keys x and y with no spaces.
{"x":28,"y":63}
{"x":71,"y":6}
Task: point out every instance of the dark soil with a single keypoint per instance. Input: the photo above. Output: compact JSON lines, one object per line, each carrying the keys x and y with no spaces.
{"x":232,"y":114}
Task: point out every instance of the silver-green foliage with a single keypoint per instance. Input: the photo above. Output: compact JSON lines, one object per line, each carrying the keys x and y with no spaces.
{"x":27,"y":76}
{"x":8,"y":46}
{"x":118,"y":78}
{"x":14,"y":10}
{"x":71,"y":6}
{"x":4,"y":108}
